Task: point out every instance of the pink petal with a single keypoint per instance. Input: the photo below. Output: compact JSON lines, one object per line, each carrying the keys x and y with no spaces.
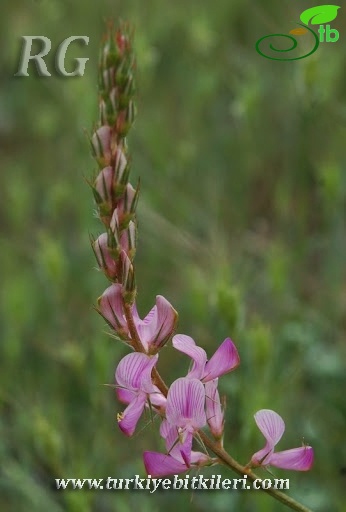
{"x":183,"y":448}
{"x":178,"y":445}
{"x":131,"y":415}
{"x":158,"y":325}
{"x":185,"y":403}
{"x":166,"y":321}
{"x":160,"y":464}
{"x":299,"y":459}
{"x":272,"y":427}
{"x":134,"y":372}
{"x":170,"y":434}
{"x":215,"y":417}
{"x":125,"y":395}
{"x":157,"y":398}
{"x":145,"y":327}
{"x":199,"y":458}
{"x":187,"y":345}
{"x":165,"y":429}
{"x":225,"y":359}
{"x":111,"y":308}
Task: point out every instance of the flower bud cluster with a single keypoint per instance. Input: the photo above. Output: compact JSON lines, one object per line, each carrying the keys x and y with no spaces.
{"x":116,"y":199}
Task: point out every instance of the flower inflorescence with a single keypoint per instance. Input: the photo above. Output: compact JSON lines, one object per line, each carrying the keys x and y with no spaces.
{"x":192,"y":402}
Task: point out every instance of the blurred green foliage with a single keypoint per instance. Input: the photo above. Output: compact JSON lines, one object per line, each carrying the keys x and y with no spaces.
{"x":242,"y":227}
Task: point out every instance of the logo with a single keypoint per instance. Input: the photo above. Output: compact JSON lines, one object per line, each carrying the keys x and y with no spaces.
{"x":59,"y":56}
{"x":319,"y":15}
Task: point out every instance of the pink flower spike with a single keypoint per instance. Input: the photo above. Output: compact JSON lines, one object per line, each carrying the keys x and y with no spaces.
{"x":225,"y":359}
{"x":215,"y":416}
{"x":272,"y":427}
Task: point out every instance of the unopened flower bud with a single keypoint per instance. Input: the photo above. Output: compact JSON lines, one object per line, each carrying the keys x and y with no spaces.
{"x":127,"y":93}
{"x":128,"y":240}
{"x":101,"y":143}
{"x":104,"y":193}
{"x":125,"y":119}
{"x":111,"y":308}
{"x":127,"y":278}
{"x":121,"y":172}
{"x":127,"y":205}
{"x":104,"y":259}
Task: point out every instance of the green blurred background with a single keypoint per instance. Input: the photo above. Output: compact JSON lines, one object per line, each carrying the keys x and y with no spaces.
{"x":242,"y":227}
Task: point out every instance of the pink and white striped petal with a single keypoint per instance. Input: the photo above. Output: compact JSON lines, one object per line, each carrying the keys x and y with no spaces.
{"x":215,"y":416}
{"x":159,"y":464}
{"x":298,"y":459}
{"x":188,"y":346}
{"x":125,"y":396}
{"x":129,"y":418}
{"x":225,"y":359}
{"x":271,"y":425}
{"x":134,"y":372}
{"x":185,"y":404}
{"x":111,"y":308}
{"x":158,"y":325}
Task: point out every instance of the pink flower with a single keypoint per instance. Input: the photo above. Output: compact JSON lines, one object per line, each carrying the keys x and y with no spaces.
{"x":156,"y":328}
{"x":215,"y":416}
{"x":185,"y":414}
{"x":272,"y":427}
{"x":135,"y":388}
{"x":161,"y":464}
{"x":225,"y":359}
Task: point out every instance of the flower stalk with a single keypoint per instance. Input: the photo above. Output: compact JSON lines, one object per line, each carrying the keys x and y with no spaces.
{"x":192,"y":403}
